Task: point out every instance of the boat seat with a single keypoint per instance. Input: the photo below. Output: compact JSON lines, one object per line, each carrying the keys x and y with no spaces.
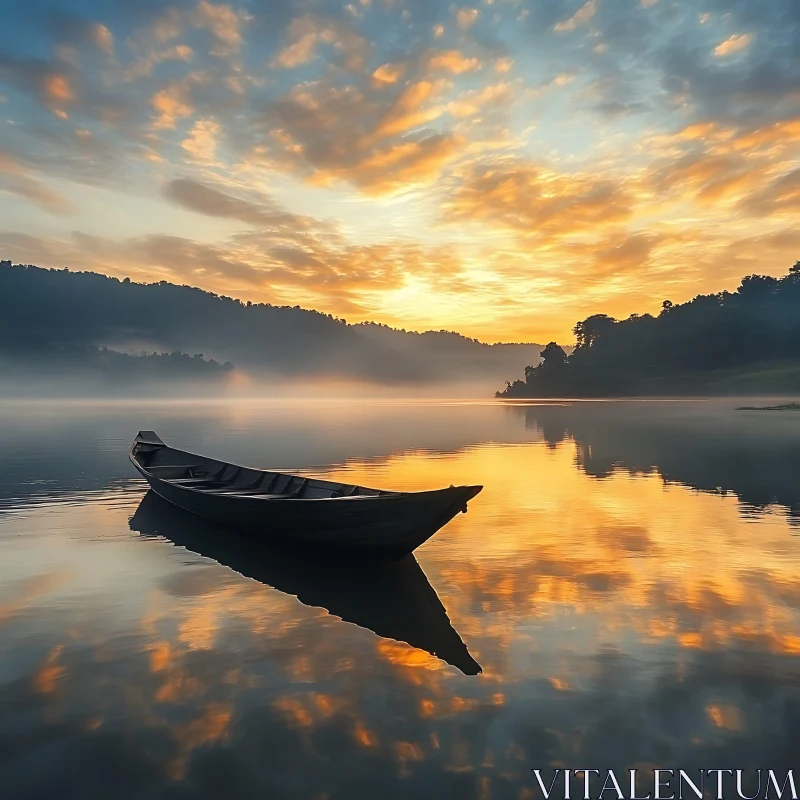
{"x":233,"y":490}
{"x":263,"y":493}
{"x":292,"y":496}
{"x":192,"y":481}
{"x":174,"y":466}
{"x":254,"y":493}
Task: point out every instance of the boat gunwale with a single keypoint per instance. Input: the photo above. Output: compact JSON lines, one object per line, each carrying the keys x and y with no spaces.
{"x":384,"y":494}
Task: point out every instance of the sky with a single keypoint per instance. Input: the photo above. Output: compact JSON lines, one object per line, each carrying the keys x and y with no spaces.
{"x":501,"y":168}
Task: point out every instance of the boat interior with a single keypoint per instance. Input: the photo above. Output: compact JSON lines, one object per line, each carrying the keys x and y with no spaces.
{"x":218,"y":477}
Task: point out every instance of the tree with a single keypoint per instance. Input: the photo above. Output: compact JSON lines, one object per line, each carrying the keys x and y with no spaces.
{"x":752,"y":332}
{"x":553,"y":356}
{"x":757,"y":288}
{"x":591,"y":329}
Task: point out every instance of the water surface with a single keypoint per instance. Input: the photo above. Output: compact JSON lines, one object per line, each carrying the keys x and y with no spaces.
{"x":626,"y":583}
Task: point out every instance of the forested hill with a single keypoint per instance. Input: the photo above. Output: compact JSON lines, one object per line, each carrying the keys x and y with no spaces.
{"x":45,"y":308}
{"x":742,"y":342}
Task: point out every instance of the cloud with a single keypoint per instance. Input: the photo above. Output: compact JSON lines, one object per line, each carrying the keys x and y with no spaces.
{"x":581,"y":16}
{"x":167,"y":26}
{"x":171,"y":104}
{"x":264,"y":213}
{"x":624,"y":253}
{"x":50,"y":81}
{"x":184,"y":257}
{"x":733,"y":44}
{"x":466,"y":17}
{"x":224,"y":23}
{"x":451,"y":61}
{"x":201,"y":143}
{"x":779,"y":196}
{"x":616,"y":110}
{"x":154,"y":55}
{"x":304,"y":37}
{"x":14,"y":179}
{"x":705,"y":178}
{"x":375,"y":139}
{"x":404,"y":165}
{"x":103,"y":38}
{"x":388,"y":73}
{"x":746,"y":92}
{"x":533,"y":202}
{"x":58,"y":90}
{"x":72,"y":30}
{"x":409,"y":110}
{"x":293,"y":257}
{"x":472,"y":103}
{"x":307,"y":33}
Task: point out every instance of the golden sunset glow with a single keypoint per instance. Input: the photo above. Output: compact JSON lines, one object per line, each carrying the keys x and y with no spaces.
{"x":502,"y":169}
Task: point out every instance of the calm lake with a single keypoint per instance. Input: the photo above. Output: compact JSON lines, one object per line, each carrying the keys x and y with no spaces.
{"x":627,"y":582}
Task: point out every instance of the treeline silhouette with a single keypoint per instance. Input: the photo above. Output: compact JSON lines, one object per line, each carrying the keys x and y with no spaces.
{"x":46,"y":307}
{"x":745,"y":342}
{"x":23,"y":361}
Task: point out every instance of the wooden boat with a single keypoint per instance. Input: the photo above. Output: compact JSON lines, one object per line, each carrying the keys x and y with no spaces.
{"x":299,"y":511}
{"x":394,"y":599}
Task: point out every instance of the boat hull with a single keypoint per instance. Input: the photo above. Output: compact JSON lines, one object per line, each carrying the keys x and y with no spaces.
{"x":384,"y":525}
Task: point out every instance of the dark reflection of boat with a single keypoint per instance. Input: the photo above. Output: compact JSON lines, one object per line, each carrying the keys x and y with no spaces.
{"x":393,"y":599}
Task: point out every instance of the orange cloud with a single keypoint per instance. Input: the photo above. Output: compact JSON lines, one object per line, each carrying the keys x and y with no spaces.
{"x":388,"y":73}
{"x":705,"y":178}
{"x":201,"y":143}
{"x":452,"y":61}
{"x":171,"y":104}
{"x":406,"y":164}
{"x":531,"y":201}
{"x":306,"y":33}
{"x":408,"y":110}
{"x":733,"y":44}
{"x":581,"y":16}
{"x":58,"y":90}
{"x":469,"y":104}
{"x":374,"y":140}
{"x":224,"y":23}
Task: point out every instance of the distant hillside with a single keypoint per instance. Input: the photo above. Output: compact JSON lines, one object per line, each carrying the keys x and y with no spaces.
{"x":742,"y":342}
{"x":84,"y":369}
{"x":47,"y":307}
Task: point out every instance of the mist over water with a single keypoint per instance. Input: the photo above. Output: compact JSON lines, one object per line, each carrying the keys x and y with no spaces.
{"x":45,"y":384}
{"x":627,"y":582}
